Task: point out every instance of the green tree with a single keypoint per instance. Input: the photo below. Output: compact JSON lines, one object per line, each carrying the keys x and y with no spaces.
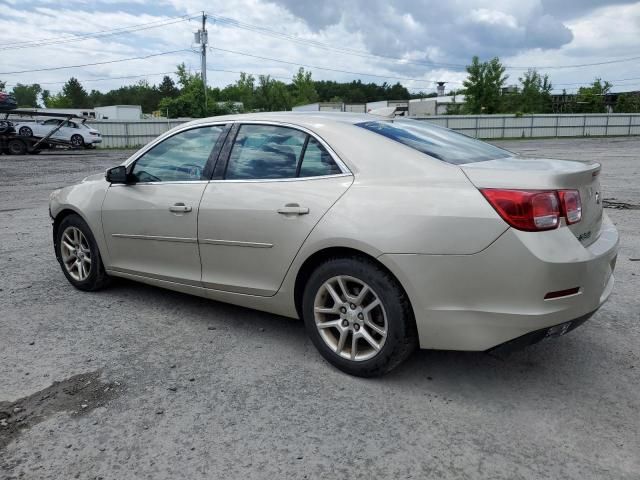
{"x":628,"y":103}
{"x":534,"y":95}
{"x":190,"y":101}
{"x":27,"y":95}
{"x":56,"y":101}
{"x":592,"y":99}
{"x":483,"y":86}
{"x":2,"y":85}
{"x":272,"y":95}
{"x":167,"y":88}
{"x":76,"y":95}
{"x":303,"y":88}
{"x":241,"y":91}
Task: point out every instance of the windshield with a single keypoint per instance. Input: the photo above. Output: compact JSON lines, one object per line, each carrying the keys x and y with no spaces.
{"x":435,"y":141}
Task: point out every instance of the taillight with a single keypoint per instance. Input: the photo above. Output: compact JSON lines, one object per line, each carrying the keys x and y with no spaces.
{"x":529,"y":210}
{"x":535,"y":210}
{"x":571,"y":205}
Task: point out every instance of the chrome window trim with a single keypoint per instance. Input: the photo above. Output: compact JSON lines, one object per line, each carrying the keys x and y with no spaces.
{"x":291,"y":179}
{"x":172,"y":182}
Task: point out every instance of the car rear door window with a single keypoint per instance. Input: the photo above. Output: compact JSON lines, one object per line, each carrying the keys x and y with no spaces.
{"x":180,"y":158}
{"x":317,"y":161}
{"x":265,"y":152}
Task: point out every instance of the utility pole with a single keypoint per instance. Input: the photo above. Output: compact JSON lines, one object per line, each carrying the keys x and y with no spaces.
{"x":202,"y":37}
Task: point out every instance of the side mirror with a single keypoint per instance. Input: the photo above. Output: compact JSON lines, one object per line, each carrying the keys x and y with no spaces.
{"x":117,"y":174}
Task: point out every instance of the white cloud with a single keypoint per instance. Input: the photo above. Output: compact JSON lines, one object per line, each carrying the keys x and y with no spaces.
{"x":521,"y":32}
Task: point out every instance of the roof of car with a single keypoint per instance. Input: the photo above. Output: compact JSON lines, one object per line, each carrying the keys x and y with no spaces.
{"x":298,"y":118}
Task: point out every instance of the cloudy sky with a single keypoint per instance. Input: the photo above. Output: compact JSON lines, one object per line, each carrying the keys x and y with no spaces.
{"x":415,"y":42}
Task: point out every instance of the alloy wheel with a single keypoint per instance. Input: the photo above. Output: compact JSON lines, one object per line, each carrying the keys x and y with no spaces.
{"x":76,"y":254}
{"x":350,"y":318}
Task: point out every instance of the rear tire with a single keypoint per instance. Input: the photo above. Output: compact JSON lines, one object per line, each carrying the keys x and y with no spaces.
{"x":77,"y":141}
{"x":16,"y":147}
{"x":78,"y":255}
{"x":371,"y":310}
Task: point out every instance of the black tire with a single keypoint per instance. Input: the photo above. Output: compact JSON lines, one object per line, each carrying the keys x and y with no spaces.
{"x":401,"y":338}
{"x":16,"y":147}
{"x":25,"y":132}
{"x":97,"y":277}
{"x":77,"y":141}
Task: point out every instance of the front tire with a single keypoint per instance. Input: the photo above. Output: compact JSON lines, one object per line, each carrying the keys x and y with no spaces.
{"x":358,"y":316}
{"x":25,"y":132}
{"x":78,"y":255}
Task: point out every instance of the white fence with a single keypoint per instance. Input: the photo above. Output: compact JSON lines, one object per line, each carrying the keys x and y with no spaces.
{"x":120,"y":134}
{"x":551,"y":125}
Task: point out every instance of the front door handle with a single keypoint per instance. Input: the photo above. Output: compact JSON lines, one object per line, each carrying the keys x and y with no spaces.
{"x":179,"y":208}
{"x":293,"y":209}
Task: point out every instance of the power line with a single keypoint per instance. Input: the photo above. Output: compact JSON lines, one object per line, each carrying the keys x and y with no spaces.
{"x":101,"y":79}
{"x":327,"y":68}
{"x":96,"y":63}
{"x":274,"y":33}
{"x":99,"y":34}
{"x":314,"y":43}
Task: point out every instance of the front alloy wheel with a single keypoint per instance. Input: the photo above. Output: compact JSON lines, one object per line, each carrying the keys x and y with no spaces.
{"x":76,"y":254}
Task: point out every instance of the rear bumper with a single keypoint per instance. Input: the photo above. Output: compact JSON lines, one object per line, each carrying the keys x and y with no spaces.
{"x":539,"y":335}
{"x":479,"y":301}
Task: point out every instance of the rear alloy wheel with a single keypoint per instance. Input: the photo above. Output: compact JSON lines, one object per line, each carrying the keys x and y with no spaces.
{"x":25,"y":132}
{"x":358,"y":316}
{"x":78,"y":254}
{"x":77,"y":141}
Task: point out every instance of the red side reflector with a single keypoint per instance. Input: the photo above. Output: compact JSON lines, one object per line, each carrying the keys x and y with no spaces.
{"x":562,"y":293}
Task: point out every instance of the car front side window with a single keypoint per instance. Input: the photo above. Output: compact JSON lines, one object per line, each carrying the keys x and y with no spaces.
{"x":265,"y":152}
{"x":179,"y":158}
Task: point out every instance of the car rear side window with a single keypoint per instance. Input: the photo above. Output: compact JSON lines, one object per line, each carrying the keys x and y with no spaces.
{"x":265,"y":152}
{"x":180,"y":158}
{"x":317,"y":161}
{"x":435,"y":141}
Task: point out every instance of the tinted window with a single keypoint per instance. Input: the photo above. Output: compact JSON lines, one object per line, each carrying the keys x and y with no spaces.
{"x":438,"y":142}
{"x":181,"y":157}
{"x":265,"y":151}
{"x":317,"y":161}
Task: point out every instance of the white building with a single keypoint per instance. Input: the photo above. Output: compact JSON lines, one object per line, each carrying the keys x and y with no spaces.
{"x":118,"y":112}
{"x":426,"y":107}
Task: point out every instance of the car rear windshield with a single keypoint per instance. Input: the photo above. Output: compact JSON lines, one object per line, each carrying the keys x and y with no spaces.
{"x":435,"y":141}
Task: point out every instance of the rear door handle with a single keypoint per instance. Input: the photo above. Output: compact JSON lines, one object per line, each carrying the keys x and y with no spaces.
{"x":293,"y":209}
{"x":179,"y":208}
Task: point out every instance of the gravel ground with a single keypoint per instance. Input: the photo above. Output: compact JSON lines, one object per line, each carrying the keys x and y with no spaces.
{"x":139,"y":382}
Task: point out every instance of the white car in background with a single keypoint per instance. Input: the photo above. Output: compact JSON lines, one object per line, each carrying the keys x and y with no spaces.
{"x":77,"y":133}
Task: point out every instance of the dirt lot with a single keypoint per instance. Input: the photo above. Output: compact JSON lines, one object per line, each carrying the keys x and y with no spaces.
{"x":160,"y":385}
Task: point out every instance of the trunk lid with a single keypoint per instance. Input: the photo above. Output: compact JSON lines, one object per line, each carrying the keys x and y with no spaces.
{"x":547,"y":174}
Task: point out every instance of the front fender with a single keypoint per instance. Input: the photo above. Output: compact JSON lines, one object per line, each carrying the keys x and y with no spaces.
{"x":84,"y":199}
